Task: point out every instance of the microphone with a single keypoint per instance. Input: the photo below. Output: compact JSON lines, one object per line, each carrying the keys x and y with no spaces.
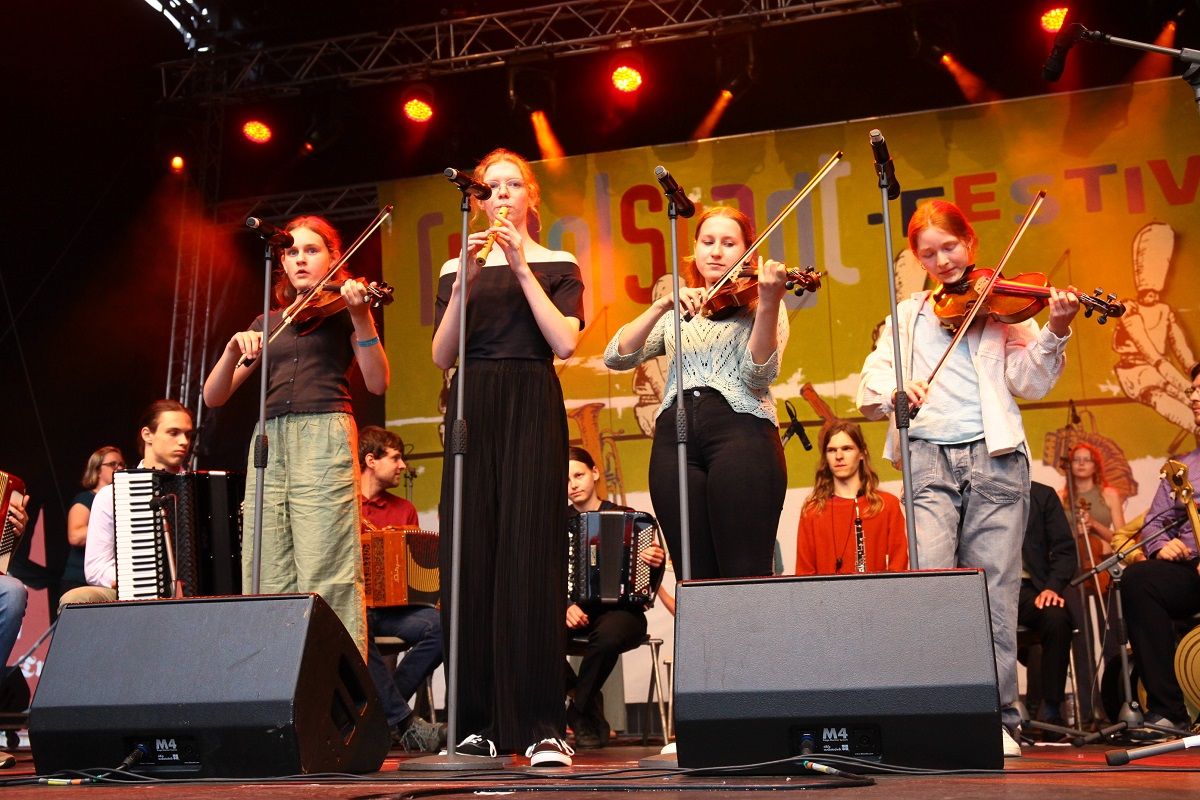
{"x":1064,"y":40}
{"x":273,"y":234}
{"x":684,"y":206}
{"x":467,"y":184}
{"x":796,"y":428}
{"x":1074,"y":415}
{"x":884,"y":167}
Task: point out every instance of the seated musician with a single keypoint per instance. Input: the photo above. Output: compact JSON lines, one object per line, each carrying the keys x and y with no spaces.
{"x":610,"y":630}
{"x":13,"y":597}
{"x":382,"y":464}
{"x":1048,"y":562}
{"x":166,"y":437}
{"x":846,"y":498}
{"x":1164,"y":587}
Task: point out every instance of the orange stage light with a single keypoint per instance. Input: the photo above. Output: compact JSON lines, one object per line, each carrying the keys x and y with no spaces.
{"x":177,"y":164}
{"x":257,"y":131}
{"x":1052,"y":20}
{"x":626,"y":78}
{"x":418,"y":110}
{"x":705,"y":129}
{"x":548,"y":144}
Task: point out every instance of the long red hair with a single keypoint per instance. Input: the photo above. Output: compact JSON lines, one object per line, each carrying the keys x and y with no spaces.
{"x":532,"y":187}
{"x":945,"y":215}
{"x":691,"y":275}
{"x":282,"y":290}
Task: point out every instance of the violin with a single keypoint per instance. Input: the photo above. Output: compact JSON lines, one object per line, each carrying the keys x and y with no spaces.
{"x":1010,"y":301}
{"x":329,"y":301}
{"x":741,"y":291}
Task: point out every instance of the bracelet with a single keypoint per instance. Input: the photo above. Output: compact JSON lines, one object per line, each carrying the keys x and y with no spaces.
{"x":374,"y":340}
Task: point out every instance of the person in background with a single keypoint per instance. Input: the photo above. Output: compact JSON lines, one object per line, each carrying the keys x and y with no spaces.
{"x":97,"y":474}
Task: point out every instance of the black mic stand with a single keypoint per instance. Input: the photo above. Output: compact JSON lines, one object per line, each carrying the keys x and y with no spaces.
{"x":1130,"y":717}
{"x":1184,"y":55}
{"x":452,"y":760}
{"x":260,"y":441}
{"x":903,"y":416}
{"x":670,"y":760}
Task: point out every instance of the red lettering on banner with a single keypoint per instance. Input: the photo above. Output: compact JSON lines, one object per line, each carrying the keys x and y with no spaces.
{"x":1090,"y":176}
{"x":967,"y":198}
{"x":1177,"y":194}
{"x":1135,"y":192}
{"x":636,"y":291}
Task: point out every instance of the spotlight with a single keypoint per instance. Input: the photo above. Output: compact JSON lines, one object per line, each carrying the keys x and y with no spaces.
{"x":1053,"y":19}
{"x":417,"y":102}
{"x":705,"y":129}
{"x":627,"y":69}
{"x":257,"y":131}
{"x":323,"y":130}
{"x":548,"y":144}
{"x":530,"y":89}
{"x":177,"y":164}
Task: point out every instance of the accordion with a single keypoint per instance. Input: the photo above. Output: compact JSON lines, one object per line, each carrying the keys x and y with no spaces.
{"x":193,"y":519}
{"x":12,"y":489}
{"x":400,"y":566}
{"x":604,"y":566}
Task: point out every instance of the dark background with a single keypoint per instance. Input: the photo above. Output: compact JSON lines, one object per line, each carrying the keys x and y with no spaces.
{"x":91,"y":212}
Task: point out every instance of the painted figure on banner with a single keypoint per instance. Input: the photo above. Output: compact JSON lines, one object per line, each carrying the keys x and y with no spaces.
{"x":650,"y":377}
{"x":1151,"y":346}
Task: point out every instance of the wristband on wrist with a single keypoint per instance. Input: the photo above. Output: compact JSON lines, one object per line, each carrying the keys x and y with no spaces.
{"x":374,"y":340}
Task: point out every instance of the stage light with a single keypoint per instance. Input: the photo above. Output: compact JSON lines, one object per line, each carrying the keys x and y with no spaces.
{"x":974,"y":88}
{"x":627,"y":69}
{"x":177,"y":164}
{"x":1154,"y":65}
{"x":257,"y":131}
{"x":531,"y":89}
{"x":1053,"y":19}
{"x":417,"y":102}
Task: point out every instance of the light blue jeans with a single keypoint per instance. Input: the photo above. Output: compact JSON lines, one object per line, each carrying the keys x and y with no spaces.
{"x":970,"y":511}
{"x":13,"y":597}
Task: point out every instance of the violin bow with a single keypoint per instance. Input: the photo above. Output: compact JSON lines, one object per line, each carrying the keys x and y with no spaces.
{"x":775,"y":223}
{"x":987,"y":289}
{"x":302,"y":302}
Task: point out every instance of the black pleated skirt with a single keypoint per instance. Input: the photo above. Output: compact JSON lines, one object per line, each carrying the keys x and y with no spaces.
{"x":514,"y":551}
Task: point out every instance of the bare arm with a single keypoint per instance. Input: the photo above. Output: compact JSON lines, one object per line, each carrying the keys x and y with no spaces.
{"x":77,"y":525}
{"x":763,"y":338}
{"x":372,"y":359}
{"x":226,"y":376}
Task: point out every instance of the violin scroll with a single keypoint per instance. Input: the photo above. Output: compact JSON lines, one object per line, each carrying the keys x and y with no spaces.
{"x":1106,"y":308}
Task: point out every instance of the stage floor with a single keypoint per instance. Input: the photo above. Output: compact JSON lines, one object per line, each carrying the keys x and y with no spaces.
{"x":1066,"y":773}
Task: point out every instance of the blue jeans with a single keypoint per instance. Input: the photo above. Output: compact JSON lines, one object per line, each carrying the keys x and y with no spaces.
{"x":421,"y":628}
{"x":970,"y":511}
{"x":13,"y":596}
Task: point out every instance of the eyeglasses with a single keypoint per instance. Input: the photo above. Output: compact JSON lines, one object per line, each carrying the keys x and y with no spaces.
{"x":113,"y":464}
{"x":515,"y":183}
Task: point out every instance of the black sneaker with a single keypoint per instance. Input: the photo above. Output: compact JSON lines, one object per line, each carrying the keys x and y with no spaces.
{"x":549,"y":753}
{"x":587,"y":737}
{"x":420,"y":736}
{"x":475,"y":745}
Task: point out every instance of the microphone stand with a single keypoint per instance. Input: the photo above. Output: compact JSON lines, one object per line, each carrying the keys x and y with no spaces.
{"x":452,"y":760}
{"x":1130,"y":716}
{"x":903,"y":416}
{"x":260,"y":442}
{"x":671,"y":760}
{"x":1184,"y":55}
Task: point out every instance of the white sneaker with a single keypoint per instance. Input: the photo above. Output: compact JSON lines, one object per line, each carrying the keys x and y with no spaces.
{"x":1011,"y":748}
{"x":668,"y":749}
{"x":549,"y":753}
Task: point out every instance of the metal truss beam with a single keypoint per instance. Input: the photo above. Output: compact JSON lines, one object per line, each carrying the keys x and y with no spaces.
{"x":339,"y":203}
{"x":574,"y":27}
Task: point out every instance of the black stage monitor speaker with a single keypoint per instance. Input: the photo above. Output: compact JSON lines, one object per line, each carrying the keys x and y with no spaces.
{"x":231,"y":687}
{"x":895,"y":668}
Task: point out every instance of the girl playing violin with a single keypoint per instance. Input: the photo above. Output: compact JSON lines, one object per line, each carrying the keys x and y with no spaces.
{"x":846,"y":499}
{"x":310,"y":536}
{"x":736,"y":476}
{"x":969,"y":459}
